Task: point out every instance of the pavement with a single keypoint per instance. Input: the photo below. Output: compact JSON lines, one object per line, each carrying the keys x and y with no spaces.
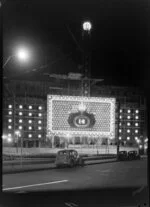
{"x":35,"y":164}
{"x":11,"y":167}
{"x":29,"y":161}
{"x":106,"y":175}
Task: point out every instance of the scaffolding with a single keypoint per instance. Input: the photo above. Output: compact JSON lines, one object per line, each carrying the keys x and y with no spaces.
{"x":27,"y":93}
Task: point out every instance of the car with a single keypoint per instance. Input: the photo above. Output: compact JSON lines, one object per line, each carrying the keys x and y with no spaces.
{"x":123,"y":155}
{"x":133,"y":155}
{"x":68,"y":158}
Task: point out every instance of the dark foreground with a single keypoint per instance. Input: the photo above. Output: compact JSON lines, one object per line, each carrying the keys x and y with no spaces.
{"x":118,"y":174}
{"x":112,"y":184}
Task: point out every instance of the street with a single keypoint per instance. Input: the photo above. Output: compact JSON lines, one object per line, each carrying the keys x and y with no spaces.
{"x":117,"y":174}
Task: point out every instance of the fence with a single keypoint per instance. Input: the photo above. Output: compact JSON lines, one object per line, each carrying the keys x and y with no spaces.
{"x":82,"y":150}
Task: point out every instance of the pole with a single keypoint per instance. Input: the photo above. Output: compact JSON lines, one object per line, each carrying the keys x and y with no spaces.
{"x":21,"y":151}
{"x":14,"y":111}
{"x":118,"y":141}
{"x":145,"y":123}
{"x":8,"y":59}
{"x":17,"y":143}
{"x":86,"y":62}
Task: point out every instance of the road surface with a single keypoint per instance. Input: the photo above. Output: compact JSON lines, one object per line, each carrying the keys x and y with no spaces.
{"x":118,"y":174}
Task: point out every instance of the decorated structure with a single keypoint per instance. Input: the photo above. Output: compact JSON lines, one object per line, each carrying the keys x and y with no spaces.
{"x":81,"y":117}
{"x":27,"y":107}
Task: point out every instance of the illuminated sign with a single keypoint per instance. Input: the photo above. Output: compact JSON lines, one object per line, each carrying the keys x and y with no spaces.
{"x":81,"y":119}
{"x":81,"y":116}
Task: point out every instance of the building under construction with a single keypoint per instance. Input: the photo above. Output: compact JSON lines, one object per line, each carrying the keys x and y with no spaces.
{"x":25,"y":110}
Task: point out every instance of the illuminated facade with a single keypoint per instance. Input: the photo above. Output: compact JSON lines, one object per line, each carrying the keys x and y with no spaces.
{"x":25,"y":109}
{"x":81,"y":116}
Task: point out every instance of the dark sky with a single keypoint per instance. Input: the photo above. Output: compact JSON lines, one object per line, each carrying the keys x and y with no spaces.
{"x":119,"y":38}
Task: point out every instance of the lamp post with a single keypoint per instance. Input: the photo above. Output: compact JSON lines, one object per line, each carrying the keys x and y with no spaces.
{"x":22,"y":54}
{"x":86,"y":31}
{"x":17,"y":133}
{"x":87,"y":26}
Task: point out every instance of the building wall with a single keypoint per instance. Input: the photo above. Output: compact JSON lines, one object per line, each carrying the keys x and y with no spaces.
{"x":27,"y":101}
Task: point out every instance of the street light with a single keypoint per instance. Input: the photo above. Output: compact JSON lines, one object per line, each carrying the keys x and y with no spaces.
{"x":86,"y":83}
{"x":21,"y":53}
{"x":87,"y":26}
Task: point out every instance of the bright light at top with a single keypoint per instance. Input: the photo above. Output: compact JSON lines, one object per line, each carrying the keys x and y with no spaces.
{"x":22,"y":54}
{"x":137,"y":111}
{"x":129,"y":111}
{"x":87,"y":26}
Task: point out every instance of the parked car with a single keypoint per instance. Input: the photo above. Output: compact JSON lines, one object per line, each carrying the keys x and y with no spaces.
{"x":68,"y":158}
{"x":123,"y":155}
{"x":133,"y":155}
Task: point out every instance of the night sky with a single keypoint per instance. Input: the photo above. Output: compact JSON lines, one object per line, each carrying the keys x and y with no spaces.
{"x":119,"y":38}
